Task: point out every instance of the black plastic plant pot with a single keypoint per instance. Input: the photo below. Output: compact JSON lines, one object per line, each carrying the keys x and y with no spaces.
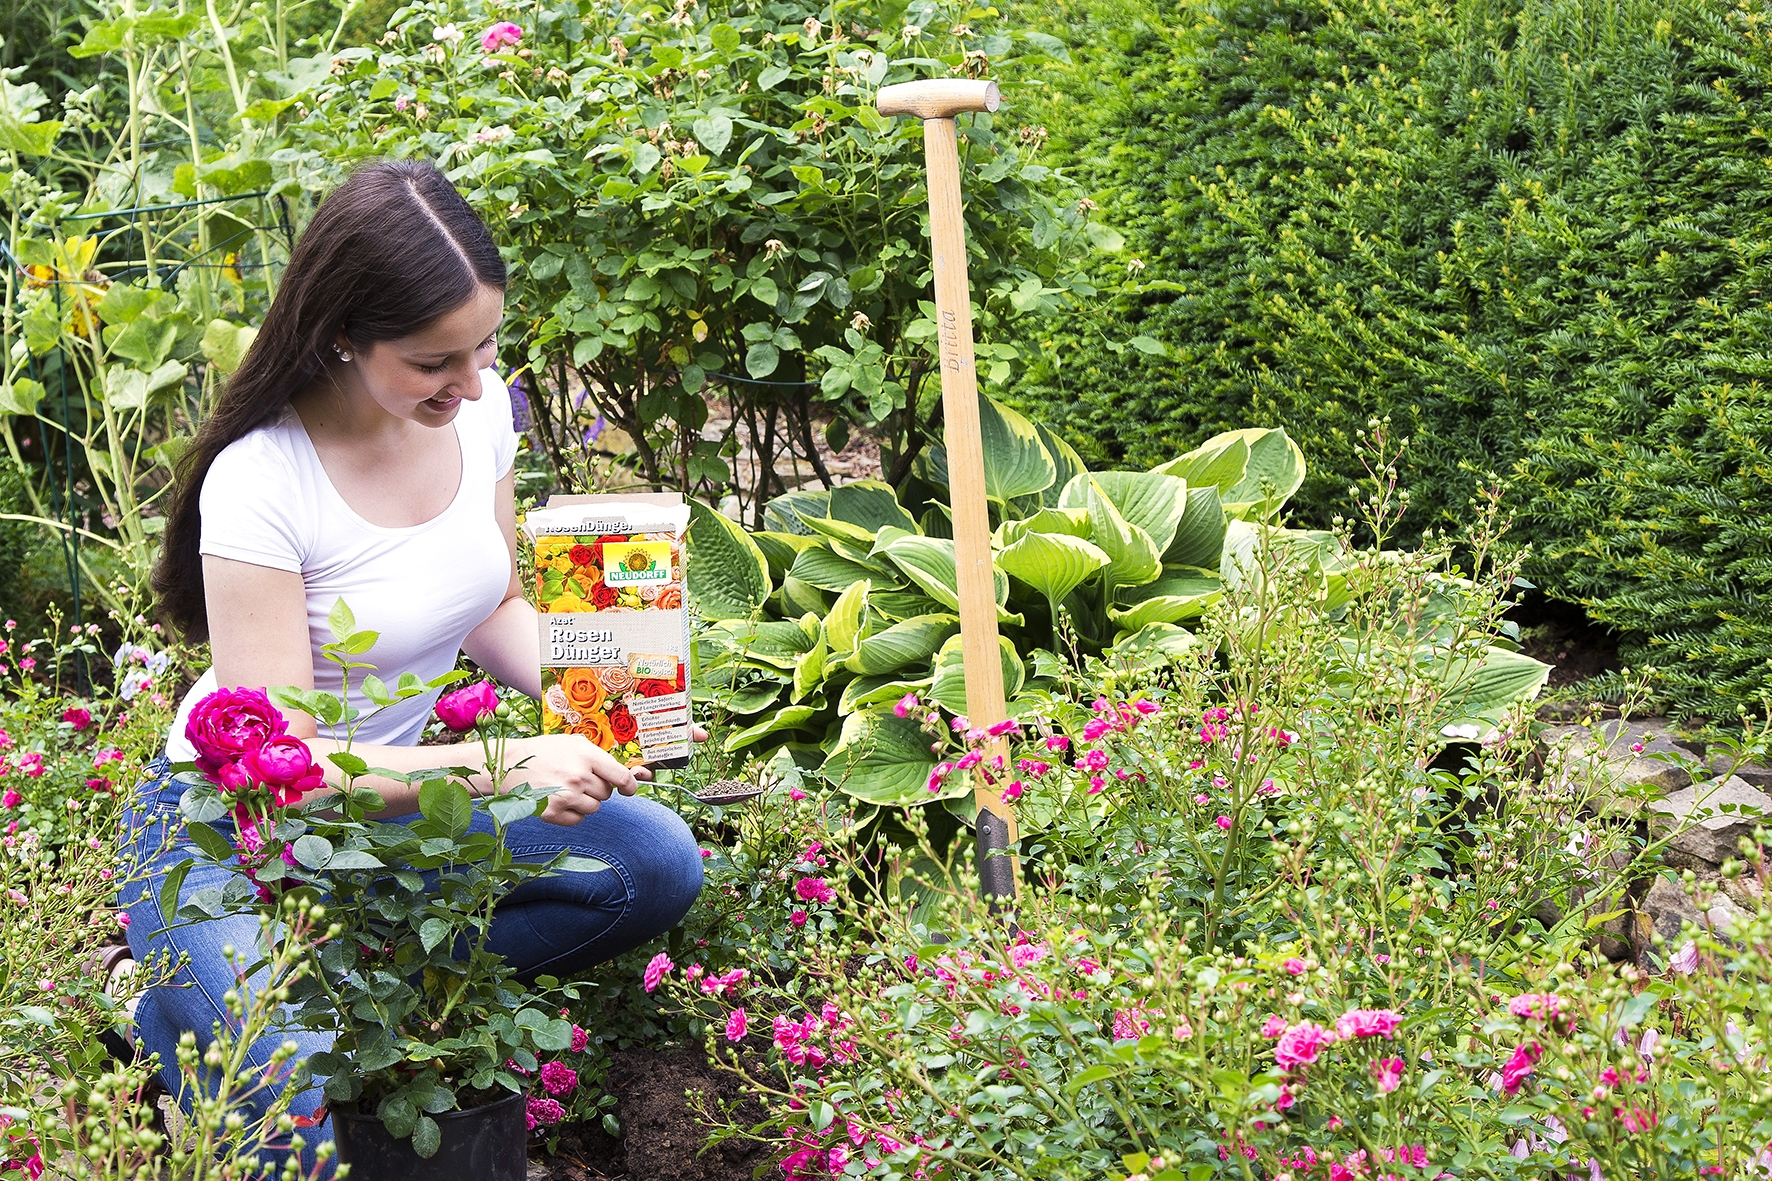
{"x":489,"y":1143}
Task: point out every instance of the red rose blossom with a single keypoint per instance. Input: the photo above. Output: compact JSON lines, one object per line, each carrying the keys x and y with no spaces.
{"x":622,"y":724}
{"x":581,"y":555}
{"x":603,"y":595}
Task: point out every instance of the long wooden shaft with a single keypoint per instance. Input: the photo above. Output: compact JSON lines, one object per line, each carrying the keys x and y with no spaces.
{"x":965,"y":447}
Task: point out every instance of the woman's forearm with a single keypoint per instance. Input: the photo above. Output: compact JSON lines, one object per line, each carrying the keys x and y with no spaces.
{"x":402,"y":797}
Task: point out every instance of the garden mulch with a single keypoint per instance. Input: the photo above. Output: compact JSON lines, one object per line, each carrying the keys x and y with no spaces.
{"x":659,"y":1096}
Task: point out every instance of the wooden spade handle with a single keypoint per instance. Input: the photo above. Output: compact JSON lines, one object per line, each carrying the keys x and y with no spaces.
{"x":977,"y":590}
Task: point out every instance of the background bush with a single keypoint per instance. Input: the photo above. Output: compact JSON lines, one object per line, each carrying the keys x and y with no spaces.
{"x":1534,"y":234}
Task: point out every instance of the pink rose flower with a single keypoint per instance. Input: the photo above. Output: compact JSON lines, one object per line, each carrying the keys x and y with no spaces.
{"x":466,"y":708}
{"x":656,"y":970}
{"x":798,"y":918}
{"x":737,"y":1025}
{"x":1300,"y":1045}
{"x":1388,"y":1074}
{"x":814,"y":890}
{"x":580,"y":1039}
{"x":286,"y":766}
{"x":1273,"y":1027}
{"x":11,"y":799}
{"x":1367,"y":1023}
{"x":1519,"y":1065}
{"x":77,"y":717}
{"x":1223,"y":822}
{"x":558,"y":1079}
{"x":230,"y":722}
{"x":1130,"y":1024}
{"x":543,"y":1113}
{"x":500,"y":35}
{"x":1294,"y":966}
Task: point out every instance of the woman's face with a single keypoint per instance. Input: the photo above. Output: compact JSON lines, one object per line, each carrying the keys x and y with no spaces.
{"x":425,"y":376}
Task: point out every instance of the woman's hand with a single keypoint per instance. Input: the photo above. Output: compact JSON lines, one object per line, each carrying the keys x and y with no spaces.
{"x":581,"y":774}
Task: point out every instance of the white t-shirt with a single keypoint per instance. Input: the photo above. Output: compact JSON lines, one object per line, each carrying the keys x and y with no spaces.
{"x":268,"y":502}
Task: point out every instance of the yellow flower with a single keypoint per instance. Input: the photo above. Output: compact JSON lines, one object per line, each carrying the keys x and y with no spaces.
{"x":569,"y":602}
{"x":562,"y":563}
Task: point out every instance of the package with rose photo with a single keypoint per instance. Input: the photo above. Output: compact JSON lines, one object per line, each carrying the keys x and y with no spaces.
{"x":614,"y":632}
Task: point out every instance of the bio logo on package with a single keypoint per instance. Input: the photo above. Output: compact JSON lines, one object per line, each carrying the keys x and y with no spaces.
{"x":614,"y":633}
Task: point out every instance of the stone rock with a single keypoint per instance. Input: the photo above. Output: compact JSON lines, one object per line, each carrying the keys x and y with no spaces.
{"x":1667,"y":905}
{"x":1745,"y":891}
{"x":1754,"y":774}
{"x":1626,"y":776}
{"x":1711,"y":818}
{"x":1623,"y":935}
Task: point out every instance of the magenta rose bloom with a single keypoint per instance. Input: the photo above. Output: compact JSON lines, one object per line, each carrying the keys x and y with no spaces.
{"x":230,"y":722}
{"x":77,"y":718}
{"x":286,"y":766}
{"x":466,"y":708}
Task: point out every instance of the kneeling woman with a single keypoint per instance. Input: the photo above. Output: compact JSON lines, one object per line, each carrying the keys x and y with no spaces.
{"x":363,"y":451}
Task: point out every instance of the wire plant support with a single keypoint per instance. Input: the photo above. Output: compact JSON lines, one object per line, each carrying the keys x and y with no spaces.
{"x":72,"y":395}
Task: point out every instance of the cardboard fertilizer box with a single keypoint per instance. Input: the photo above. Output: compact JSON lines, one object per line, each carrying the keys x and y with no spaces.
{"x":614,"y":631}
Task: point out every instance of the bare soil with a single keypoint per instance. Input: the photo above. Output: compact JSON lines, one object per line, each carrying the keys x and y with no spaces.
{"x":660,"y":1095}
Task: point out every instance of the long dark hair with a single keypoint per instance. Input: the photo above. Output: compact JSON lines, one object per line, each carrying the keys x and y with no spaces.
{"x":388,"y":251}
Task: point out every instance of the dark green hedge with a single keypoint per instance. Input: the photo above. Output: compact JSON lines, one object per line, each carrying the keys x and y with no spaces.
{"x":1535,"y":234}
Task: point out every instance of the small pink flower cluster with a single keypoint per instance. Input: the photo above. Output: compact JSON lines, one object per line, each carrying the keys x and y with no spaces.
{"x":1130,"y":1024}
{"x":814,"y":890}
{"x":1518,"y":1066}
{"x":820,"y":1155}
{"x":558,"y":1079}
{"x":1357,"y":1167}
{"x":542,"y":1113}
{"x":500,"y":35}
{"x":657,"y":968}
{"x":1110,"y":718}
{"x":816,"y":1039}
{"x":1546,"y":1007}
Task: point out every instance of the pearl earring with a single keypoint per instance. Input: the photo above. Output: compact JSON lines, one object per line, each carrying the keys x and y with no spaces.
{"x":342,"y":355}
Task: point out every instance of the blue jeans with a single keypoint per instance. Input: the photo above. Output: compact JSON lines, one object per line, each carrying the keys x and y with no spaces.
{"x":558,"y":925}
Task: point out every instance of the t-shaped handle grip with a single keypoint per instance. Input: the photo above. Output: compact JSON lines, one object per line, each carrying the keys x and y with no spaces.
{"x":937,"y":98}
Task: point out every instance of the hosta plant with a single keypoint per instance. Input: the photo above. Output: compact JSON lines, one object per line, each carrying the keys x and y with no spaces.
{"x":848,"y":602}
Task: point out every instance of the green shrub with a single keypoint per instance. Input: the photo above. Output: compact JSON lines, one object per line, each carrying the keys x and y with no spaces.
{"x":699,"y":198}
{"x":815,"y":627}
{"x":1534,"y":232}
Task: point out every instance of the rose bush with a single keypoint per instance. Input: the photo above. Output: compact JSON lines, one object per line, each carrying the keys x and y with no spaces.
{"x":1270,"y":930}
